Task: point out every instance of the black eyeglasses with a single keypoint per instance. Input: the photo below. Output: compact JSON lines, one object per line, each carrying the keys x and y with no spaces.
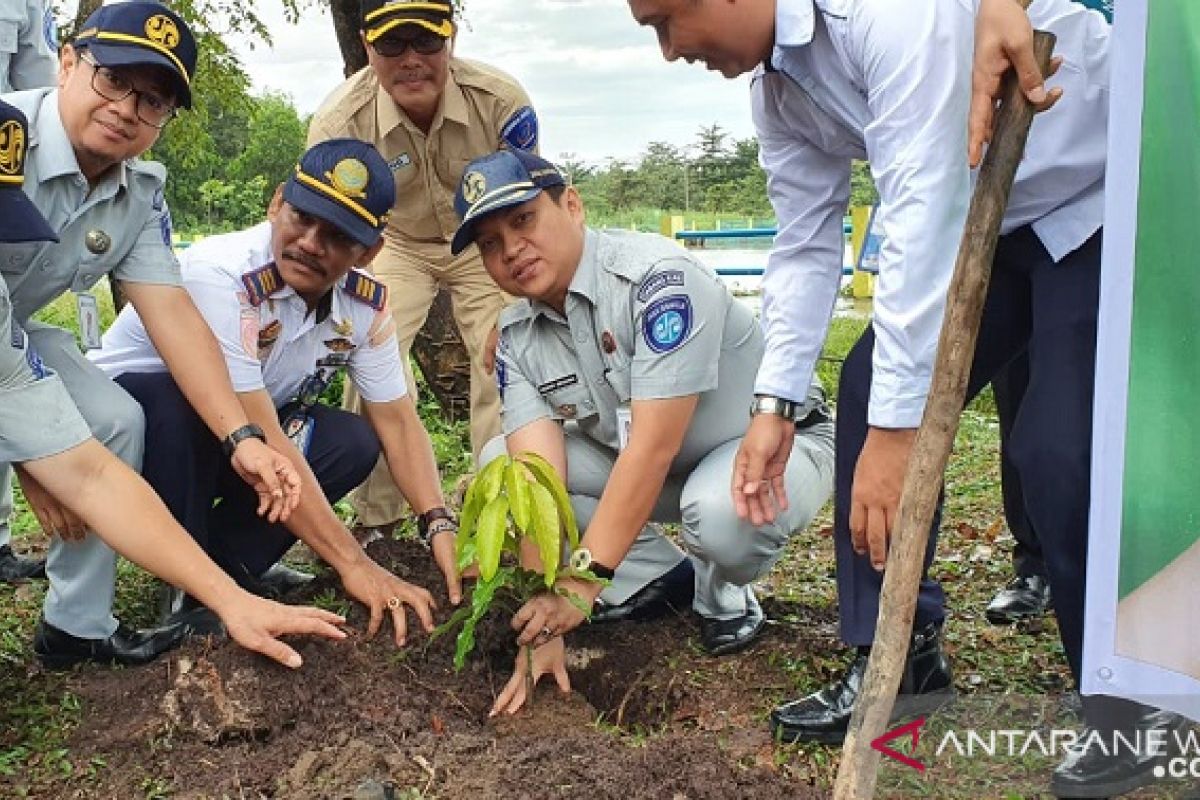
{"x":115,"y":87}
{"x":425,"y":43}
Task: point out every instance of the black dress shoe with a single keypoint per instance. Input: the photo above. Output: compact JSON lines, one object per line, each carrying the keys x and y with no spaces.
{"x":669,"y":593}
{"x":1025,"y":597}
{"x":17,"y":568}
{"x":57,"y":649}
{"x":824,"y":715}
{"x":1093,"y":772}
{"x":186,"y":611}
{"x":280,"y":580}
{"x":720,"y":637}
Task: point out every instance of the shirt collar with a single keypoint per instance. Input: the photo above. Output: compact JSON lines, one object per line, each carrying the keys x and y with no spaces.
{"x":794,"y":22}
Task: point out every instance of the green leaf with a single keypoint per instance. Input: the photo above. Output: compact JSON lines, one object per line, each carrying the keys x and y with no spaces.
{"x":492,"y":477}
{"x":466,"y":554}
{"x":479,"y":493}
{"x":546,"y":531}
{"x":549,"y":478}
{"x":489,"y":537}
{"x":481,"y":601}
{"x":519,"y":500}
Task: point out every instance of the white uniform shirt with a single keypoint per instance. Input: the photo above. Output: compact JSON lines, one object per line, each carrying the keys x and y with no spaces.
{"x":276,"y":343}
{"x":28,"y":45}
{"x":889,"y":81}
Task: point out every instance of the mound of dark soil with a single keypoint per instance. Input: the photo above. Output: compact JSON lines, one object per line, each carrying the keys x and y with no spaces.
{"x":650,"y":717}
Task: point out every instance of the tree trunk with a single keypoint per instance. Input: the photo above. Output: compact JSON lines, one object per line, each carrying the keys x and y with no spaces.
{"x":346,"y":18}
{"x":442,"y":357}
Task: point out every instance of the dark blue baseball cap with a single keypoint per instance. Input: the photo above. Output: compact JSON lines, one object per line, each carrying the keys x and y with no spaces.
{"x":20,"y":220}
{"x":347,"y":183}
{"x":137,"y":33}
{"x":502,"y":179}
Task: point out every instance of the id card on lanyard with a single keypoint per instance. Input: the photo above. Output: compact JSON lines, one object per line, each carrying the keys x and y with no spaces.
{"x":624,"y":425}
{"x":88,"y":314}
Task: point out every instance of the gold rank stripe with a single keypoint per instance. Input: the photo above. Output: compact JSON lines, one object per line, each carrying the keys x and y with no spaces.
{"x":313,"y":183}
{"x":397,"y":8}
{"x":13,"y":179}
{"x":444,"y":30}
{"x":143,"y":42}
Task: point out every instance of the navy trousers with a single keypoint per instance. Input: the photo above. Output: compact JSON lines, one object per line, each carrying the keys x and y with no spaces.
{"x":1008,"y":386}
{"x":185,"y":466}
{"x":1048,"y":312}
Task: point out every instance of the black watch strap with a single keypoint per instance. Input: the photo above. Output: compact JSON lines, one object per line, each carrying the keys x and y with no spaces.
{"x":250,"y":430}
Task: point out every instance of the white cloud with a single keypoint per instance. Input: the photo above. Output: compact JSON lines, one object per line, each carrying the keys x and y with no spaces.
{"x":599,"y":84}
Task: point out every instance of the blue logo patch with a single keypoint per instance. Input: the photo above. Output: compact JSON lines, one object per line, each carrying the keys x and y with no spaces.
{"x":659,"y":281}
{"x":50,"y":30}
{"x":667,"y":322}
{"x":521,"y":130}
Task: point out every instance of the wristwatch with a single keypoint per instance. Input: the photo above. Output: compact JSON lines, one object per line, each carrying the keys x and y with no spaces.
{"x":581,"y":560}
{"x":426,"y":527}
{"x":767,"y":404}
{"x":247,"y":431}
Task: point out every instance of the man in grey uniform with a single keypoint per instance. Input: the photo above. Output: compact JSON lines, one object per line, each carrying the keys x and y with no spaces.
{"x":119,"y":83}
{"x":629,"y":366}
{"x":28,"y":60}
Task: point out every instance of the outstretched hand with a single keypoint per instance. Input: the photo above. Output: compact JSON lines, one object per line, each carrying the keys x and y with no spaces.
{"x":380,"y":590}
{"x":551,"y":658}
{"x":256,"y":624}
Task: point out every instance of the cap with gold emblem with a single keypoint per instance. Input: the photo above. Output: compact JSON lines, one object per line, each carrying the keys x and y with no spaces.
{"x":381,"y":16}
{"x":136,"y":33}
{"x":20,"y":220}
{"x":345,"y":182}
{"x":497,"y":181}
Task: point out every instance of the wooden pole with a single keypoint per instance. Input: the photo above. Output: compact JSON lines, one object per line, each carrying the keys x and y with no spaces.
{"x":923,"y":481}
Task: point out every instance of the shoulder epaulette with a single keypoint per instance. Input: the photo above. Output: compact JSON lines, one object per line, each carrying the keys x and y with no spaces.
{"x":261,"y":283}
{"x":365,"y":289}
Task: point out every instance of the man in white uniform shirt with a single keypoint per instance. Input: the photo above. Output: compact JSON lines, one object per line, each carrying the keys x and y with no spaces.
{"x":889,"y":82}
{"x":290,"y":311}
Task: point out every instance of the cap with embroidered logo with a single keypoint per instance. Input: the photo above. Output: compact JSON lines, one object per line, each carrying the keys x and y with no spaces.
{"x":20,"y":220}
{"x":345,"y":182}
{"x":381,"y":16}
{"x":137,"y":33}
{"x":499,"y":180}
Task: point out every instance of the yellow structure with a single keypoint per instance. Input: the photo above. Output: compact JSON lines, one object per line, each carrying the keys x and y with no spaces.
{"x":862,"y":284}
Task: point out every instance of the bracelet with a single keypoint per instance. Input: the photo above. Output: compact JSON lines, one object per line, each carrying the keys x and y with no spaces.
{"x":248,"y":431}
{"x":430,"y":523}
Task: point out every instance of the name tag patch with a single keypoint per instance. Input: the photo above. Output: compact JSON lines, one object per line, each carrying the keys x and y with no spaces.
{"x":667,"y":322}
{"x":659,"y":281}
{"x":558,"y":383}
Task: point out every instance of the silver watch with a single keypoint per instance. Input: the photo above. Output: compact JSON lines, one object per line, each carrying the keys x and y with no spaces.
{"x":766,"y":404}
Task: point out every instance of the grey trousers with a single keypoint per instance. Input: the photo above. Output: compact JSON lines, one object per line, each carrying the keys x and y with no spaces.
{"x":82,"y":574}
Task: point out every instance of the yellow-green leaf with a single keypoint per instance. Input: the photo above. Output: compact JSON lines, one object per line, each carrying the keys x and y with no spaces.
{"x":489,"y":535}
{"x":519,"y":500}
{"x":549,"y":478}
{"x":491,"y":478}
{"x":478,"y":495}
{"x":546,"y":531}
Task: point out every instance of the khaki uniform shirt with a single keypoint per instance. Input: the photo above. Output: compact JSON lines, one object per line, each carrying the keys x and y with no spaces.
{"x":483,"y":109}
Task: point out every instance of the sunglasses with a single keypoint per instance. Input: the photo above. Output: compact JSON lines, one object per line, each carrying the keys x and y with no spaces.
{"x":425,"y":43}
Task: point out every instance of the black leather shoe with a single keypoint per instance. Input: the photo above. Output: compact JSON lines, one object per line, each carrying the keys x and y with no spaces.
{"x":17,"y":568}
{"x":280,"y":580}
{"x":1092,"y":772}
{"x":824,"y":715}
{"x":720,"y":637}
{"x":57,"y":649}
{"x":669,"y":593}
{"x":197,"y":619}
{"x":1025,"y":597}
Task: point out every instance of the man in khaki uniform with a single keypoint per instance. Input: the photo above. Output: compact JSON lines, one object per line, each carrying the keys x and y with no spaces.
{"x":429,"y":114}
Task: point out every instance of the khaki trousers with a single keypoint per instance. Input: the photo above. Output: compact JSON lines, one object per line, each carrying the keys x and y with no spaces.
{"x":413,"y":278}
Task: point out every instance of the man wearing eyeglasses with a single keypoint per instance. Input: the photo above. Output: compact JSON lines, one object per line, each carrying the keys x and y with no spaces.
{"x":119,"y":83}
{"x":429,"y":113}
{"x":290,"y":311}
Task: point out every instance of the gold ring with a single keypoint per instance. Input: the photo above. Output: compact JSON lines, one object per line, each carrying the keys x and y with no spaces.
{"x":393,"y":603}
{"x":549,"y":634}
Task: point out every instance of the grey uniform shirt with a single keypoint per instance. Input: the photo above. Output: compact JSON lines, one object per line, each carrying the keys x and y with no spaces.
{"x":121,"y":226}
{"x":28,"y":45}
{"x":644,"y":320}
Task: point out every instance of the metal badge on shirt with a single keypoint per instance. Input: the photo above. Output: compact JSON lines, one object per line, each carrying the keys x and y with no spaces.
{"x":88,"y":311}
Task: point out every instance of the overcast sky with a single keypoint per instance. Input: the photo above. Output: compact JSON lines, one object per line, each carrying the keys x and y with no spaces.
{"x":597,"y":80}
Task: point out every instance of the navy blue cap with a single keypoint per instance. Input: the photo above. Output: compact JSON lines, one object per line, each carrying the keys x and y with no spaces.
{"x":20,"y":220}
{"x":347,"y":183}
{"x":136,"y":33}
{"x":499,"y":180}
{"x":381,"y":16}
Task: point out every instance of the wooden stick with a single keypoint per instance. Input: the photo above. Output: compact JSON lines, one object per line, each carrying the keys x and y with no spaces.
{"x":923,"y":481}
